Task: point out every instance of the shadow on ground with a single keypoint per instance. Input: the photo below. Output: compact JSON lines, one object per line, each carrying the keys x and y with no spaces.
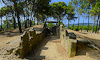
{"x":83,"y":49}
{"x":83,"y":33}
{"x":35,"y":55}
{"x":13,"y":32}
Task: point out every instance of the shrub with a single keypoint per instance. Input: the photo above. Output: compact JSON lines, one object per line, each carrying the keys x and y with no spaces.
{"x":94,"y":29}
{"x":80,"y":27}
{"x":85,"y":27}
{"x":50,"y":25}
{"x":90,"y":27}
{"x":64,"y":26}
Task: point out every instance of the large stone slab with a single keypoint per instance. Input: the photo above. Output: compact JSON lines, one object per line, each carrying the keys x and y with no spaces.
{"x":72,"y":47}
{"x":72,"y":35}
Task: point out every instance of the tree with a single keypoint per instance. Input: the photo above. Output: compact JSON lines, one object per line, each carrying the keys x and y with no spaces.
{"x":81,"y":12}
{"x":5,"y":11}
{"x":16,"y":10}
{"x":84,"y":8}
{"x":76,"y":4}
{"x":93,"y":13}
{"x":41,"y":7}
{"x":70,"y":13}
{"x":97,"y":10}
{"x":1,"y":15}
{"x":59,"y":10}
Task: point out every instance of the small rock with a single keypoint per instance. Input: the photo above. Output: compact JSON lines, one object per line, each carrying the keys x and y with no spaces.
{"x":7,"y":42}
{"x":11,"y":50}
{"x":72,"y":35}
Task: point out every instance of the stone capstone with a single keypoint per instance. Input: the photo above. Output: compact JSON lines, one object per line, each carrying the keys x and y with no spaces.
{"x":72,"y":35}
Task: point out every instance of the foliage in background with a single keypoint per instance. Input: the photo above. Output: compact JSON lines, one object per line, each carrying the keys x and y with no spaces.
{"x":50,"y":24}
{"x":84,"y":27}
{"x":62,"y":24}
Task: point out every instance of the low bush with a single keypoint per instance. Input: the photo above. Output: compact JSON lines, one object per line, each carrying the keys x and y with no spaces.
{"x":84,"y":28}
{"x":50,"y":25}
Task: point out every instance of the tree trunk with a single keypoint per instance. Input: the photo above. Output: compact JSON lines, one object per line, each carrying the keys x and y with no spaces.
{"x":19,"y":24}
{"x":93,"y":24}
{"x":78,"y":22}
{"x":37,"y":21}
{"x":73,"y":24}
{"x":34,"y":20}
{"x":93,"y":27}
{"x":7,"y":21}
{"x":82,"y":25}
{"x":31,"y":19}
{"x":46,"y":18}
{"x":43,"y":20}
{"x":99,"y":27}
{"x":1,"y":23}
{"x":88,"y":24}
{"x":14,"y":21}
{"x":68,"y":24}
{"x":16,"y":10}
{"x":96,"y":27}
{"x":99,"y":23}
{"x":30,"y":23}
{"x":26,"y":23}
{"x":57,"y":21}
{"x":24,"y":20}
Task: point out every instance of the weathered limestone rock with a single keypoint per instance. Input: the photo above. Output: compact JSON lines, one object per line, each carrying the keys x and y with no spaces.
{"x":72,"y":35}
{"x":32,"y":32}
{"x":28,"y":41}
{"x":58,"y":32}
{"x":25,"y":45}
{"x":67,"y":43}
{"x":9,"y":51}
{"x":72,"y":47}
{"x":66,"y":32}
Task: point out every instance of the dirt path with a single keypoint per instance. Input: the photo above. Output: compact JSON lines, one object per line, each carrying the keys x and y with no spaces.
{"x":51,"y":49}
{"x":48,"y":49}
{"x":11,"y":39}
{"x":92,"y":37}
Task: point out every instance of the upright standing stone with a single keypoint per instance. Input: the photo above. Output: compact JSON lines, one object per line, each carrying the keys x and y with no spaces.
{"x":60,"y":31}
{"x":72,"y":35}
{"x":31,"y":32}
{"x":25,"y":45}
{"x":72,"y":47}
{"x":67,"y":43}
{"x":66,"y":32}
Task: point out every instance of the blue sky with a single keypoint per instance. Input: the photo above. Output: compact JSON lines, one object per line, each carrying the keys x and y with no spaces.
{"x":65,"y":21}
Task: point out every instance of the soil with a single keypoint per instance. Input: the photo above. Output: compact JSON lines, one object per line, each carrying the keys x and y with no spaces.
{"x":50,"y":48}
